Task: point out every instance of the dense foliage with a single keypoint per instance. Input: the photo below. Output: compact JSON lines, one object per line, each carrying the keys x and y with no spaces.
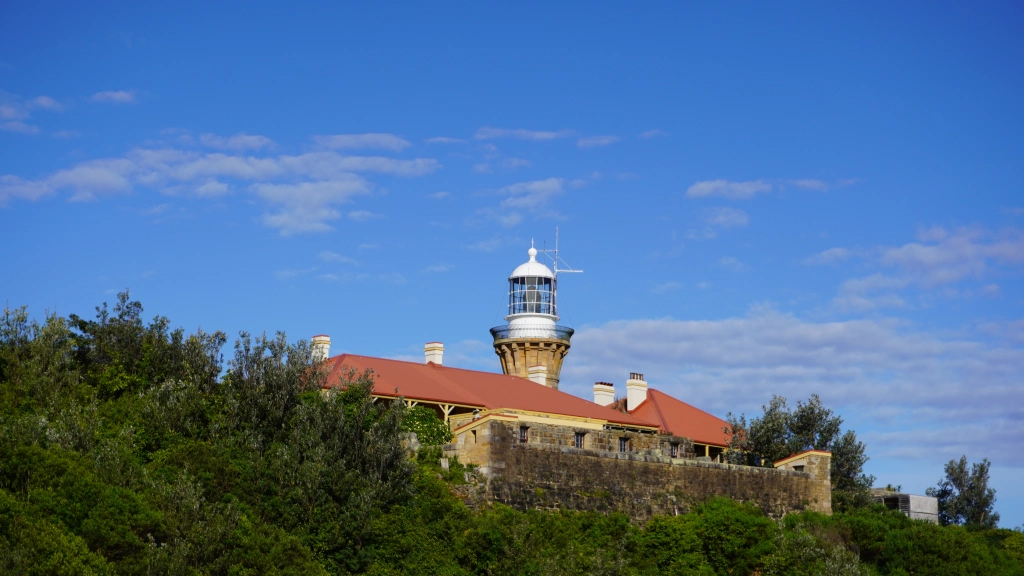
{"x":964,"y":496}
{"x":780,"y":432}
{"x":129,"y":448}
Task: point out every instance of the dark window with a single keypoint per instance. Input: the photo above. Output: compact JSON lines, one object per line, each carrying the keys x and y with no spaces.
{"x":798,"y":468}
{"x":623,"y":444}
{"x":578,"y":439}
{"x":524,"y":434}
{"x":674,"y":450}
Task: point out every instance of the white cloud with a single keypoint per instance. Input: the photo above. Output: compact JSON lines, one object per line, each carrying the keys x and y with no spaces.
{"x":870,"y":366}
{"x":725,"y":217}
{"x":944,"y":257}
{"x":811,"y":184}
{"x":666,"y":287}
{"x":439,"y":195}
{"x":45,"y":103}
{"x":592,"y":141}
{"x":115,"y":97}
{"x":308,"y":206}
{"x":291,"y":273}
{"x":731,"y":263}
{"x":212,"y":188}
{"x":648,"y":134}
{"x":489,"y":133}
{"x":488,"y":245}
{"x":360,"y":141}
{"x":19,"y":126}
{"x":727,"y":189}
{"x":482,"y":168}
{"x":444,"y":140}
{"x":362,"y":215}
{"x":828,"y":256}
{"x":860,"y":294}
{"x":65,"y":134}
{"x":515,"y":163}
{"x":238,"y":142}
{"x":328,"y":256}
{"x":531,"y":195}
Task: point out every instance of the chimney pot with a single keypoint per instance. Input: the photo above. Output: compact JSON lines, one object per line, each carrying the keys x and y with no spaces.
{"x":636,"y":390}
{"x":321,"y":347}
{"x":604,"y":393}
{"x":539,"y":374}
{"x":433,"y":352}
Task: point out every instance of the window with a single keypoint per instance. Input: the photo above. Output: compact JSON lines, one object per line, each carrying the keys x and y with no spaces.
{"x":798,"y":468}
{"x":577,"y":440}
{"x":524,"y":434}
{"x":623,"y":444}
{"x":674,"y":450}
{"x":531,"y":294}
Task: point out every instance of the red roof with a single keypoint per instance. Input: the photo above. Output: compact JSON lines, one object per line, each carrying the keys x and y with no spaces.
{"x":486,"y":390}
{"x":681,"y":419}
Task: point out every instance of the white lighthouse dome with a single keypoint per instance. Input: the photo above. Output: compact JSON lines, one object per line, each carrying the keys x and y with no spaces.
{"x":532,"y":268}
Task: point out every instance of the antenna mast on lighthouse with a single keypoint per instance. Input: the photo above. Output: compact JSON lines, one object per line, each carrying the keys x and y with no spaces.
{"x":553,"y":255}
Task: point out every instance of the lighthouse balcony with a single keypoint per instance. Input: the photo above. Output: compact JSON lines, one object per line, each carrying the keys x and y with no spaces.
{"x":539,"y":330}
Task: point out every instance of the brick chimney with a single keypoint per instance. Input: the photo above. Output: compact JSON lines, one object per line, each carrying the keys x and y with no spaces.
{"x":604,"y":393}
{"x":636,"y":390}
{"x":320,"y":346}
{"x":433,"y":352}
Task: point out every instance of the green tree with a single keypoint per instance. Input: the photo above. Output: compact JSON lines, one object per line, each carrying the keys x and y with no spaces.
{"x":429,"y":429}
{"x":964,"y":496}
{"x":780,"y":432}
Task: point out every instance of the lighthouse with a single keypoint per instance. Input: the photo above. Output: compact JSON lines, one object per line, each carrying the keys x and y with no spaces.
{"x":532,"y":344}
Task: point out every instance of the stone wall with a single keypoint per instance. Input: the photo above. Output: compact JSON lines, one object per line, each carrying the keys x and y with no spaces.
{"x":639,"y":483}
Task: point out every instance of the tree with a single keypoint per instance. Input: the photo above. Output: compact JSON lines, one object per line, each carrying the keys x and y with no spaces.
{"x":964,"y":496}
{"x":781,"y":432}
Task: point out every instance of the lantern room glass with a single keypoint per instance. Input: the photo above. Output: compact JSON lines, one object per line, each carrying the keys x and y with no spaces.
{"x":531,"y":295}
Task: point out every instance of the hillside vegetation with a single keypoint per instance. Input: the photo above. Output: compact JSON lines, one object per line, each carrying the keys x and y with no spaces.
{"x":131,"y":448}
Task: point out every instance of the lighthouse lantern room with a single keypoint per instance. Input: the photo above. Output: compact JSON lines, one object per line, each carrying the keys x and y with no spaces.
{"x":532,"y":339}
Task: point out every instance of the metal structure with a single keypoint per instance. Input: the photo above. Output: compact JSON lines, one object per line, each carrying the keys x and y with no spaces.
{"x":532,"y":336}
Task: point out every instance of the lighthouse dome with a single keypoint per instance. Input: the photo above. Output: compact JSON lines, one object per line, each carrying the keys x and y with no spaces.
{"x":532,"y":268}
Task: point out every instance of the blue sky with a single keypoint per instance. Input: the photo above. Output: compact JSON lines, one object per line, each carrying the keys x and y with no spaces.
{"x":789,"y":199}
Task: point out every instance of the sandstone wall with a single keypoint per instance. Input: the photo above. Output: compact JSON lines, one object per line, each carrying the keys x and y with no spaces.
{"x":639,"y":483}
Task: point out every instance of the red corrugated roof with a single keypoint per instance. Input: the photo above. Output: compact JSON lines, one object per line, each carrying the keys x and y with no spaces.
{"x":681,"y":419}
{"x":487,"y":390}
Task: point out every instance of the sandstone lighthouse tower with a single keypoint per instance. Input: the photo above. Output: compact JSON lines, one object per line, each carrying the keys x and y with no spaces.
{"x":532,"y":345}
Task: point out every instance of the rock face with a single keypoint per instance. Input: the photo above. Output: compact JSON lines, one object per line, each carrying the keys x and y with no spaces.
{"x":549,"y":472}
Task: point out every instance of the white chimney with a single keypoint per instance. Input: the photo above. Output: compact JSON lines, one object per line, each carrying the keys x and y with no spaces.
{"x":539,"y":374}
{"x":636,"y":390}
{"x":604,"y":393}
{"x":433,"y":352}
{"x":321,"y":347}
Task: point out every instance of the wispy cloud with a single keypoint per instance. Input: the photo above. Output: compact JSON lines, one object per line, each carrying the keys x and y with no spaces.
{"x":379,"y":141}
{"x":944,"y":257}
{"x":308,"y":206}
{"x":666,"y":287}
{"x":439,"y":195}
{"x":648,"y":134}
{"x":736,"y":364}
{"x":728,"y":189}
{"x":45,"y":103}
{"x":302,"y":191}
{"x":438,"y":268}
{"x":328,"y":256}
{"x":489,"y":133}
{"x":870,"y":293}
{"x":19,"y":126}
{"x":731,"y":263}
{"x":515,"y":163}
{"x":238,"y":142}
{"x":829,"y":256}
{"x":444,"y":140}
{"x":725,"y":217}
{"x":593,"y":141}
{"x":362,"y":215}
{"x":115,"y":97}
{"x":293,"y":272}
